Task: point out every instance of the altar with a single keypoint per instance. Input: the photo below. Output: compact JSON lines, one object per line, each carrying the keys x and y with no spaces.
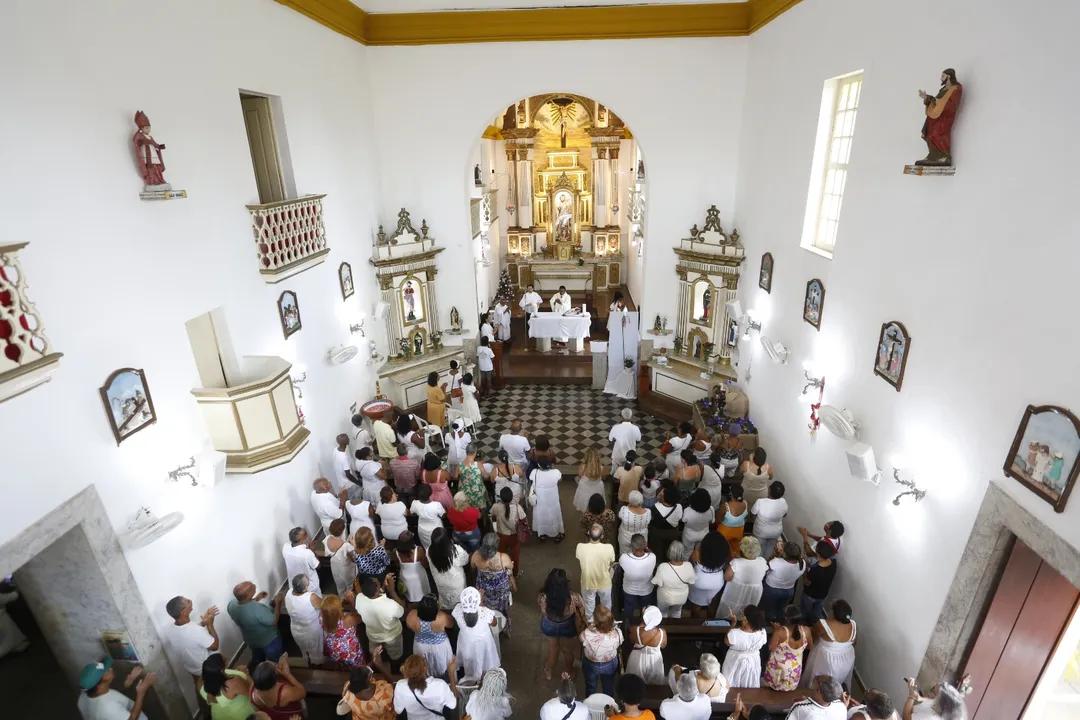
{"x":547,"y":325}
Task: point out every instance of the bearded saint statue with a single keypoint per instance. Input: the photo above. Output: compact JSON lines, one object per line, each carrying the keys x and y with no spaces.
{"x":940,"y":116}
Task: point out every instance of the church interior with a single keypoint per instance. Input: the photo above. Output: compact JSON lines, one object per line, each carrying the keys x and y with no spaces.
{"x":776,"y":220}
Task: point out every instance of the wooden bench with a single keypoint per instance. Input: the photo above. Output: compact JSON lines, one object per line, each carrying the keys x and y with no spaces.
{"x":321,"y":682}
{"x":777,"y":703}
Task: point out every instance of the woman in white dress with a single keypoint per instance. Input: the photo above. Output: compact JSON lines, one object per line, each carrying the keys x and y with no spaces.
{"x":372,"y":475}
{"x":476,"y":650}
{"x":447,"y":561}
{"x":362,"y":514}
{"x":742,"y":664}
{"x":710,"y":562}
{"x":341,"y":552}
{"x":646,"y":659}
{"x":678,"y":443}
{"x":413,"y":573}
{"x":392,"y":513}
{"x":769,"y":514}
{"x":547,"y":510}
{"x":744,"y":579}
{"x":673,"y":580}
{"x":833,"y":653}
{"x":633,"y":520}
{"x":590,"y":480}
{"x":756,"y":476}
{"x":697,"y":517}
{"x":412,"y":439}
{"x":429,"y":514}
{"x":469,"y":407}
{"x":305,"y":620}
{"x":430,"y":641}
{"x":712,"y":479}
{"x":490,"y":702}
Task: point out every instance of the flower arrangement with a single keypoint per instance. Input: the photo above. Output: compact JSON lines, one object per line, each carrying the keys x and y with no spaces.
{"x":436,"y":340}
{"x":678,"y":344}
{"x":628,"y":363}
{"x":404,"y":347}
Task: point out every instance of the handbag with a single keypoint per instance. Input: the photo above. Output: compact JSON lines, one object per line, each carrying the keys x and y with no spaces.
{"x":445,"y":712}
{"x":524,"y":532}
{"x":666,"y":449}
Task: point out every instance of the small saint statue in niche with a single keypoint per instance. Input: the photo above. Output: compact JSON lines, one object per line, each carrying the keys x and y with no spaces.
{"x":418,"y":345}
{"x":476,"y":176}
{"x":148,"y":152}
{"x":409,"y":294}
{"x":657,"y":327}
{"x":706,"y":304}
{"x":940,"y":116}
{"x":455,"y":320}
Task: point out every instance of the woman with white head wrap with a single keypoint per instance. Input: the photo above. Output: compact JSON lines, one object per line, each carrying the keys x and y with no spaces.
{"x":646,"y":660}
{"x":476,"y":649}
{"x":491,"y":701}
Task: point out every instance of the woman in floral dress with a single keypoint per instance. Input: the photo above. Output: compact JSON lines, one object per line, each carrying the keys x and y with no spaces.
{"x":342,"y":644}
{"x":471,"y":480}
{"x":494,"y":575}
{"x":787,"y":647}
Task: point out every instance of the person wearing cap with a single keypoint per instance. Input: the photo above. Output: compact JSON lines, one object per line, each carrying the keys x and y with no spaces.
{"x":191,"y":642}
{"x":99,"y":701}
{"x":476,"y":649}
{"x":646,"y":659}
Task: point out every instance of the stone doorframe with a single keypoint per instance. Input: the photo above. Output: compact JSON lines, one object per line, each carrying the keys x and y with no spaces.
{"x":1000,"y":519}
{"x":86,"y":511}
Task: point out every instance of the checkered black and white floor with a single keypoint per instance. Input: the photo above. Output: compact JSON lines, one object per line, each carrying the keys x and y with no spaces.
{"x":574,"y":417}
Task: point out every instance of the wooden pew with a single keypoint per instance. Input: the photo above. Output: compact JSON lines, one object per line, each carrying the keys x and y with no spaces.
{"x":321,"y":682}
{"x":777,"y":703}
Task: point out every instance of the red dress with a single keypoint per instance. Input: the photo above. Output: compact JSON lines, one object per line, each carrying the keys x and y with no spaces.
{"x":343,"y":646}
{"x":278,"y":711}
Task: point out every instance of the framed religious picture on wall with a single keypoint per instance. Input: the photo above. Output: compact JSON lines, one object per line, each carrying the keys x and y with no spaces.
{"x":814,"y":303}
{"x":128,"y":404}
{"x":892,"y":351}
{"x":1045,"y":453}
{"x":289,"y":313}
{"x":765,"y":274}
{"x":344,"y":272}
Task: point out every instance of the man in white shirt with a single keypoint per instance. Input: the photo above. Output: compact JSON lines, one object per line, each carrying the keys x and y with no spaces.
{"x":564,"y":706}
{"x":485,"y":362}
{"x":638,"y":566}
{"x":626,"y":435}
{"x":829,"y":705}
{"x":328,"y":507}
{"x":596,"y":558}
{"x":688,"y":703}
{"x":299,"y":560}
{"x":341,"y":467}
{"x":361,"y":437}
{"x":191,"y":642}
{"x":515,"y":444}
{"x":530,"y":303}
{"x":98,"y":701}
{"x":382,"y":614}
{"x":878,"y":706}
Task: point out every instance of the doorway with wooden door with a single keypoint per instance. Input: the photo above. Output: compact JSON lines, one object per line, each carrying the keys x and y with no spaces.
{"x":1024,"y":660}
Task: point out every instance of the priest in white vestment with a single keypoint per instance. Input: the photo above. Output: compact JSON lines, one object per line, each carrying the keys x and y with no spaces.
{"x":560,"y":305}
{"x":501,"y":316}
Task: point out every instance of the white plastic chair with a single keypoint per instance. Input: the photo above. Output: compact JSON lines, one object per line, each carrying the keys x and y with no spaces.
{"x":596,"y":704}
{"x":453,"y":414}
{"x":430,"y":432}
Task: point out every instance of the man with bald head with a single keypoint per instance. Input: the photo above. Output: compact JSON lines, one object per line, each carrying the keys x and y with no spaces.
{"x":328,"y":506}
{"x":257,"y":622}
{"x":515,"y":444}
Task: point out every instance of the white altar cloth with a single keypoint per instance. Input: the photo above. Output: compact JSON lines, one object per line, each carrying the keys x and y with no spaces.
{"x":555,"y":325}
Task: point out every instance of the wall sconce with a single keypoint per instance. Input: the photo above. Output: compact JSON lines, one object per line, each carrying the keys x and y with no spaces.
{"x":297,"y":382}
{"x":751,"y":324}
{"x":358,"y":328}
{"x":912,"y":488}
{"x":812,"y":381}
{"x":205,"y":469}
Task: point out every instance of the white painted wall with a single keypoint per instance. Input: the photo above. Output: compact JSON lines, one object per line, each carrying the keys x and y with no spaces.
{"x":115,"y":278}
{"x":980,"y":268}
{"x":680,"y":98}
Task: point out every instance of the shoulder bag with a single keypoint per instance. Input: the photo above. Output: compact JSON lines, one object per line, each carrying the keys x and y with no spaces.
{"x":524,"y":532}
{"x":445,"y":712}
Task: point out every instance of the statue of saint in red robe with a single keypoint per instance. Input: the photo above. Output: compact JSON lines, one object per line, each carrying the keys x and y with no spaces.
{"x":940,"y":116}
{"x":148,"y":154}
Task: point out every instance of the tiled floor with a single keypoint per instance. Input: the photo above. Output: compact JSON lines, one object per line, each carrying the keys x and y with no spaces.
{"x":574,"y":417}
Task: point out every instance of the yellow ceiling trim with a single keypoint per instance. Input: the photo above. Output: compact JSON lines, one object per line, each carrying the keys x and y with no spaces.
{"x":585,"y":23}
{"x":492,"y":133}
{"x":762,"y":12}
{"x":341,"y":16}
{"x":567,"y":23}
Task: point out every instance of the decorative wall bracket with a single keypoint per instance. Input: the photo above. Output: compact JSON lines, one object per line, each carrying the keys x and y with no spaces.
{"x":26,"y":356}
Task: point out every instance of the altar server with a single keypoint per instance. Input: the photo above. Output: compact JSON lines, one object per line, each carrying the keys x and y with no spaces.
{"x":530,"y":301}
{"x":501,"y":316}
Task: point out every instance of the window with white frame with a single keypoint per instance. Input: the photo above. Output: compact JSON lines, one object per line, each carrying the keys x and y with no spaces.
{"x":832,"y":151}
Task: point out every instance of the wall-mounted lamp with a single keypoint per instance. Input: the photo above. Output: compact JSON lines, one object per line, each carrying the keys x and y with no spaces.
{"x":812,"y":381}
{"x":750,"y":324}
{"x":358,"y":328}
{"x":912,"y":489}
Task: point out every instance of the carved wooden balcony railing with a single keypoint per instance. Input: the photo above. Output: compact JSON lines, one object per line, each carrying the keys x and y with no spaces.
{"x":289,"y":236}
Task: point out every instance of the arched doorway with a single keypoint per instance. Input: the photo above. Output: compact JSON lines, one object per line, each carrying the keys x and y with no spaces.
{"x":558,"y":190}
